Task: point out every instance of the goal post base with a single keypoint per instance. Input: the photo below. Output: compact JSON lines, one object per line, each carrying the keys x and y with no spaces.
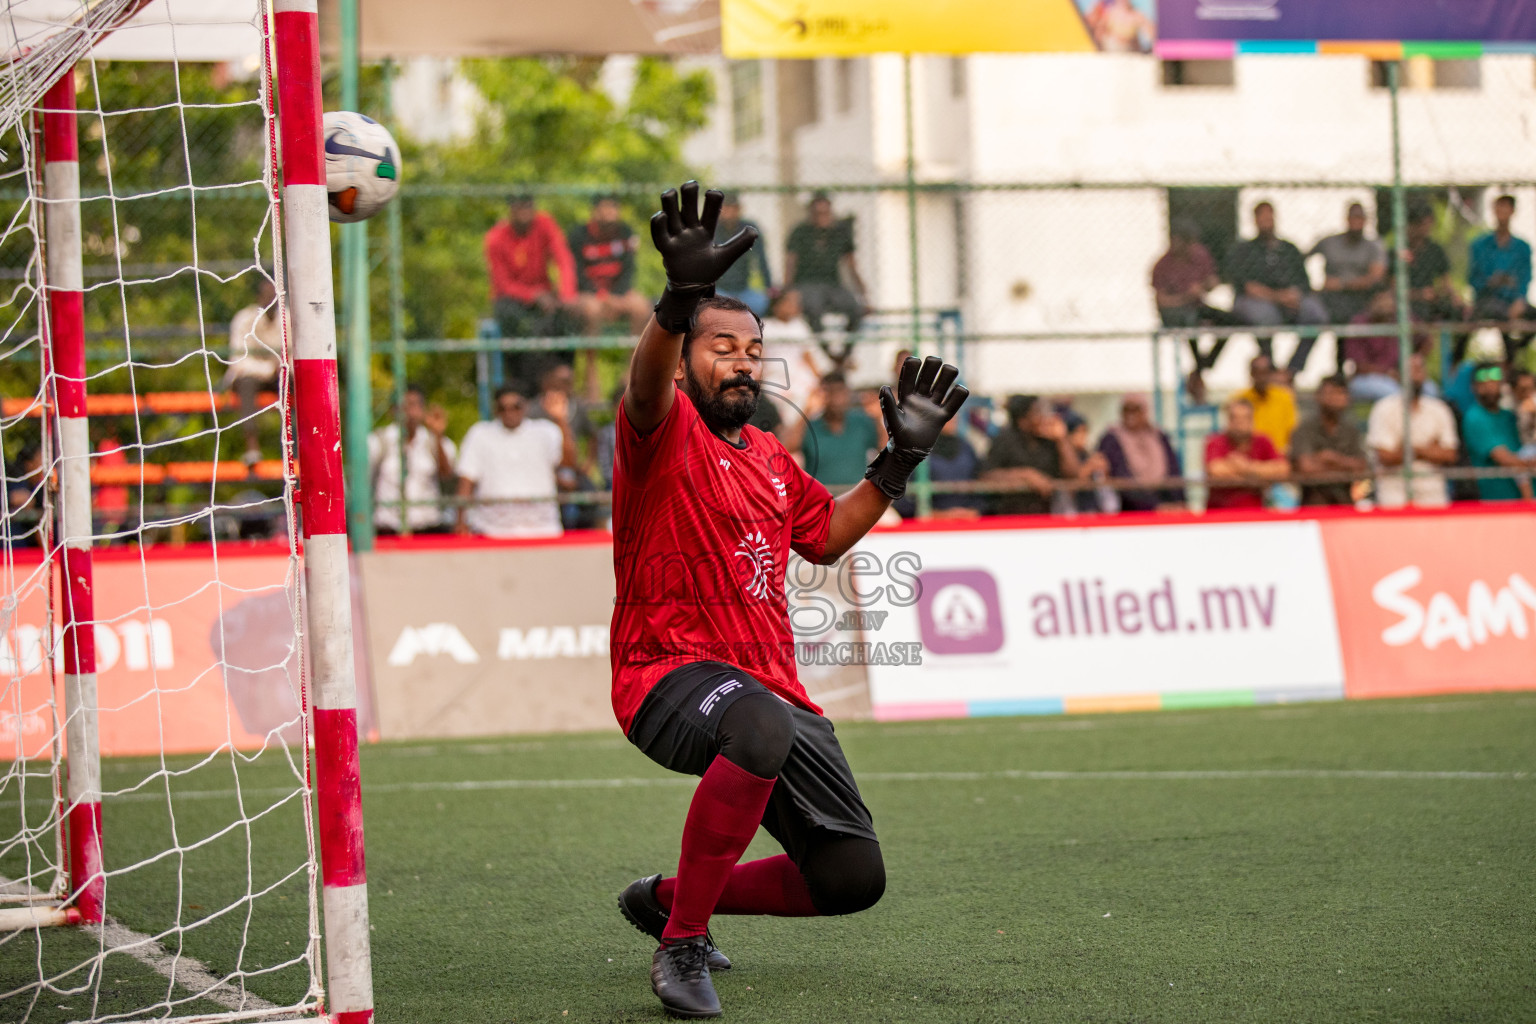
{"x":15,"y":919}
{"x":231,"y":1018}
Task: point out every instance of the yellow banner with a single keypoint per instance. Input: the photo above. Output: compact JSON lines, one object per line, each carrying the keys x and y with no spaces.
{"x":847,"y":28}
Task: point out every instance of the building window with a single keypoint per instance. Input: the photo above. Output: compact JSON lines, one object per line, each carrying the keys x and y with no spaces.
{"x":1212,"y":210}
{"x":1428,"y":73}
{"x":1458,"y":74}
{"x":746,"y":100}
{"x":957,"y":78}
{"x":1208,"y":73}
{"x":844,"y":92}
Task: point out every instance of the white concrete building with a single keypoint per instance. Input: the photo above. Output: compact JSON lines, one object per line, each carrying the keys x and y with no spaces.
{"x":1077,"y":258}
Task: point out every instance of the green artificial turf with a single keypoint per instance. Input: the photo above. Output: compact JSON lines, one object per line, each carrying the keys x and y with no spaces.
{"x":1265,"y":895}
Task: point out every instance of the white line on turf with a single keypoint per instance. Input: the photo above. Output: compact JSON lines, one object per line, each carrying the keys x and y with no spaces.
{"x":1255,"y":773}
{"x":180,"y":969}
{"x":1174,"y":775}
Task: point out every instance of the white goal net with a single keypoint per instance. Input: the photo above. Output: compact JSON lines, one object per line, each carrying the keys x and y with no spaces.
{"x":153,"y":706}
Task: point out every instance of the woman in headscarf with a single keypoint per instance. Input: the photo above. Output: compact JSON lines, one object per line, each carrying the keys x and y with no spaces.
{"x":1137,"y":450}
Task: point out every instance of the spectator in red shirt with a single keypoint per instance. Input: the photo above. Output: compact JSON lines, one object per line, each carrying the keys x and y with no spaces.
{"x":518,"y":252}
{"x":1181,"y":278}
{"x":1239,"y":462}
{"x":604,"y":248}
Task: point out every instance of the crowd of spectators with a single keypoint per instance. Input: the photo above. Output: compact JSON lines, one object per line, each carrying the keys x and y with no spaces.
{"x":1041,"y":459}
{"x":507,"y":473}
{"x":549,"y":282}
{"x":1248,"y":463}
{"x":1271,"y":288}
{"x":1033,"y":455}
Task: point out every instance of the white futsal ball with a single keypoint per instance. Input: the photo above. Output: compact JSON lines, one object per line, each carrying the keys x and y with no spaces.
{"x":362,"y":166}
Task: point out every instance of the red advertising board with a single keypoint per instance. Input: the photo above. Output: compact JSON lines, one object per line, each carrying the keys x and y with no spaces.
{"x":197,"y":653}
{"x":193,"y":653}
{"x":1433,"y":603}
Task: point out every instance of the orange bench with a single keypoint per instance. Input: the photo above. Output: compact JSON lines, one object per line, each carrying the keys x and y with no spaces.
{"x":162,"y":403}
{"x":228,"y":472}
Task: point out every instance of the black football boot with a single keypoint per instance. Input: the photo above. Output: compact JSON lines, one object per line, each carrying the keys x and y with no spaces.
{"x":640,"y":908}
{"x":680,"y":978}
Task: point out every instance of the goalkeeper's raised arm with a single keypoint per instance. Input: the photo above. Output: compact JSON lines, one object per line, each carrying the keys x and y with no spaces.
{"x":686,"y":240}
{"x":724,"y":379}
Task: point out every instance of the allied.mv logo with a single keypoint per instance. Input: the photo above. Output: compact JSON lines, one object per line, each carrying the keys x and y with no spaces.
{"x":759,"y":577}
{"x":958,"y":612}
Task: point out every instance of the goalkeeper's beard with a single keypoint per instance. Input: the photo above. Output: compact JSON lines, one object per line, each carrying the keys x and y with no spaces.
{"x":727,"y":407}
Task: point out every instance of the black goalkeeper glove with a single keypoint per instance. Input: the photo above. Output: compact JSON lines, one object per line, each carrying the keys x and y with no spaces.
{"x":686,"y":241}
{"x":914,"y":417}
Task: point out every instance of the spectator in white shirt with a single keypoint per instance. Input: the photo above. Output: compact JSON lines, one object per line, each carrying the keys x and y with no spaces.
{"x":428,"y":465}
{"x":255,"y":356}
{"x":1433,"y":439}
{"x":793,"y":362}
{"x":514,"y":456}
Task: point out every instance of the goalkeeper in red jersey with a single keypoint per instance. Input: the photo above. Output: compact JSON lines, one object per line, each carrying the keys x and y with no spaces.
{"x":705,"y":512}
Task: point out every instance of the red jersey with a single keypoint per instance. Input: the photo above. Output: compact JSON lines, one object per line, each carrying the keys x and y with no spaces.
{"x":702,"y":532}
{"x":519,"y":264}
{"x":1219,"y":446}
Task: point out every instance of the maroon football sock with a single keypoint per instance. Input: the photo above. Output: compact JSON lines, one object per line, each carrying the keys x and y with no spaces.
{"x":772,"y":886}
{"x":726,"y":810}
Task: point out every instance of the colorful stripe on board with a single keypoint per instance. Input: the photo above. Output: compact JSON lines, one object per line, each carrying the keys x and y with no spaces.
{"x":1101,"y":704}
{"x":1226,"y":49}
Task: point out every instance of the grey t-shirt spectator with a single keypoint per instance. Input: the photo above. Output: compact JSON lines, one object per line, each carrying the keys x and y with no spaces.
{"x":1012,"y":448}
{"x":1311,"y":437}
{"x":1348,"y":259}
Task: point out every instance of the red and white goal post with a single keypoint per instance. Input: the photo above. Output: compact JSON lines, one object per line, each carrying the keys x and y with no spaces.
{"x":225,"y":852}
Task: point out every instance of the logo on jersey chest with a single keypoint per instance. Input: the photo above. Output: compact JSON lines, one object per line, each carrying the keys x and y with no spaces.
{"x":756,"y":565}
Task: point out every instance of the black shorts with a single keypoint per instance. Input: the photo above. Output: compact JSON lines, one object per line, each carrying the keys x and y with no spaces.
{"x":676,"y":726}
